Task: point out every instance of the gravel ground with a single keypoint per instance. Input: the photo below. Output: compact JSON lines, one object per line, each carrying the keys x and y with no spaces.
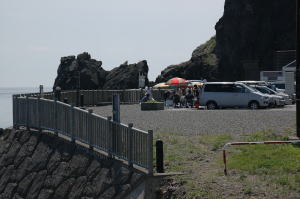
{"x":192,"y":121}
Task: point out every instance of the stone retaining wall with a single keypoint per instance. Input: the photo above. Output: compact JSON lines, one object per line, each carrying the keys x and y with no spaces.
{"x":34,"y":165}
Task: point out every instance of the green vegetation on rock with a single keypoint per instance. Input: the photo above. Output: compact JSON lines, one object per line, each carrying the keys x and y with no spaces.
{"x":202,"y":65}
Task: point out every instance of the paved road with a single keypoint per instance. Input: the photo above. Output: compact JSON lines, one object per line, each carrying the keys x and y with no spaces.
{"x":191,"y":121}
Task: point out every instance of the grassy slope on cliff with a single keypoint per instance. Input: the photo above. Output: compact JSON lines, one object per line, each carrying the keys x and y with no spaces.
{"x":202,"y":65}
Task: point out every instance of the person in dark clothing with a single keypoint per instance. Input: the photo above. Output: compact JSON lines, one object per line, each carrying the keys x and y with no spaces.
{"x":166,"y":95}
{"x":189,"y":98}
{"x":196,"y":92}
{"x":176,"y":99}
{"x":57,"y":93}
{"x":146,"y":98}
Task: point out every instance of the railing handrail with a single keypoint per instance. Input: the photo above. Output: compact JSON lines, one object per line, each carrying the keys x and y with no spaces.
{"x":116,"y":139}
{"x":131,"y":95}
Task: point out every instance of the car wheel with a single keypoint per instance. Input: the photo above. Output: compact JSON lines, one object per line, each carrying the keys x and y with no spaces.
{"x":253,"y":105}
{"x":211,"y":105}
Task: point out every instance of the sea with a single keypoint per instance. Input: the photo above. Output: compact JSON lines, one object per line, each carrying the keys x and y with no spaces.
{"x":6,"y":102}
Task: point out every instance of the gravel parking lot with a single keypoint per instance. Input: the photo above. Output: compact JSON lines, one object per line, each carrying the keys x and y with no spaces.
{"x":192,"y":121}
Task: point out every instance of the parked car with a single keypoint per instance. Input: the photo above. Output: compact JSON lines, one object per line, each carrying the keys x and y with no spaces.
{"x":275,"y":99}
{"x":277,"y":86}
{"x":284,"y":98}
{"x":231,"y":94}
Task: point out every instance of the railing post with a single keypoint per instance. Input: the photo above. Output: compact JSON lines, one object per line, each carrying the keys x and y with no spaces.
{"x":90,"y":129}
{"x":111,"y":140}
{"x":66,"y":101}
{"x":116,"y":108}
{"x":130,"y":148}
{"x":81,"y":100}
{"x":27,"y":113}
{"x":55,"y":119}
{"x":72,"y":123}
{"x":93,"y":97}
{"x":14,"y":111}
{"x":39,"y":113}
{"x":17,"y":111}
{"x":159,"y":156}
{"x":77,"y":97}
{"x":150,"y":152}
{"x":41,"y":94}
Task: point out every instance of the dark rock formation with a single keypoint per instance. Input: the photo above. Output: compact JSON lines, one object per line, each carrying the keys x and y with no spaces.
{"x":202,"y":65}
{"x":247,"y":37}
{"x":34,"y":165}
{"x":82,"y":71}
{"x":126,"y":76}
{"x":87,"y":73}
{"x":250,"y":32}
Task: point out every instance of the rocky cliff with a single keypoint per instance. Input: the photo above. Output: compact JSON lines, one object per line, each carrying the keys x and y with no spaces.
{"x":86,"y":73}
{"x":247,"y":37}
{"x":35,"y":165}
{"x":81,"y":71}
{"x":126,"y":76}
{"x":250,"y":32}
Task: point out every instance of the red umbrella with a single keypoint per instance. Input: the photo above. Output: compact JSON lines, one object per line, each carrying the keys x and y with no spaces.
{"x":177,"y":81}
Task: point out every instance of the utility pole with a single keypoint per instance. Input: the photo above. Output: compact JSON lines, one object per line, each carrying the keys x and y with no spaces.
{"x":297,"y":66}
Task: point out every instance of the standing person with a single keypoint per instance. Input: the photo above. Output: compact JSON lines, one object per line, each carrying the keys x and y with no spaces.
{"x":189,"y":98}
{"x":182,"y":97}
{"x":196,"y":93}
{"x":166,"y":96}
{"x":146,"y":98}
{"x":195,"y":90}
{"x":57,"y":93}
{"x":149,"y":91}
{"x":200,"y":93}
{"x":176,"y":99}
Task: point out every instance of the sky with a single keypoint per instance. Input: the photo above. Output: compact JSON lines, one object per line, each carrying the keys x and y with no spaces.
{"x":35,"y":34}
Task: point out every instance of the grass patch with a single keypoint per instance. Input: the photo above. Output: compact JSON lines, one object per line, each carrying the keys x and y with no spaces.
{"x":186,"y":154}
{"x":280,"y":163}
{"x":215,"y":142}
{"x":178,"y":149}
{"x":266,"y":159}
{"x":253,"y":169}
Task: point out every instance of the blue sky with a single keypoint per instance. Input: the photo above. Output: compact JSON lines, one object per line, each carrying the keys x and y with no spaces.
{"x":34,"y":34}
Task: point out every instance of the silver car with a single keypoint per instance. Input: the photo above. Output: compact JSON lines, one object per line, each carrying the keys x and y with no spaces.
{"x":231,"y":94}
{"x":277,"y":99}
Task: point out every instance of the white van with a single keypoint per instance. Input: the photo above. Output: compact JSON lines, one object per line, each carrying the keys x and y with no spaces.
{"x":231,"y":94}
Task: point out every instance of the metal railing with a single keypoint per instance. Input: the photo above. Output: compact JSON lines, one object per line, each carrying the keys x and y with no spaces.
{"x":98,"y":97}
{"x":116,"y":139}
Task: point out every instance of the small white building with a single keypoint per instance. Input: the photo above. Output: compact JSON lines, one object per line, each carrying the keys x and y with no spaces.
{"x":285,"y":76}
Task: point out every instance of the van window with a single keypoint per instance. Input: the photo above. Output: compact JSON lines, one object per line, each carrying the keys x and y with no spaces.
{"x":211,"y":88}
{"x":218,"y":88}
{"x":239,"y":89}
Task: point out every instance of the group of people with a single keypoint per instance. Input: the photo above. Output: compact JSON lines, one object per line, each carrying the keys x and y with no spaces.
{"x":183,"y":97}
{"x":178,"y":98}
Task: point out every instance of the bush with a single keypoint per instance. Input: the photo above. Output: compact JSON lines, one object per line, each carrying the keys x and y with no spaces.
{"x":152,"y":101}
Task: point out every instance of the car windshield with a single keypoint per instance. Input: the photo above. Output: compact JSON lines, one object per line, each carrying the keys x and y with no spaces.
{"x":250,"y":88}
{"x":280,"y":86}
{"x":255,"y":90}
{"x":270,"y":90}
{"x":262,"y":90}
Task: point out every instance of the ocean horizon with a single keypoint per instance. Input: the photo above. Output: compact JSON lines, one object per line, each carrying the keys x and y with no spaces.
{"x":6,"y":93}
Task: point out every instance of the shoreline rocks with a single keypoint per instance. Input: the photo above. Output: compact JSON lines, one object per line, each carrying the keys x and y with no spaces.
{"x":86,"y":73}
